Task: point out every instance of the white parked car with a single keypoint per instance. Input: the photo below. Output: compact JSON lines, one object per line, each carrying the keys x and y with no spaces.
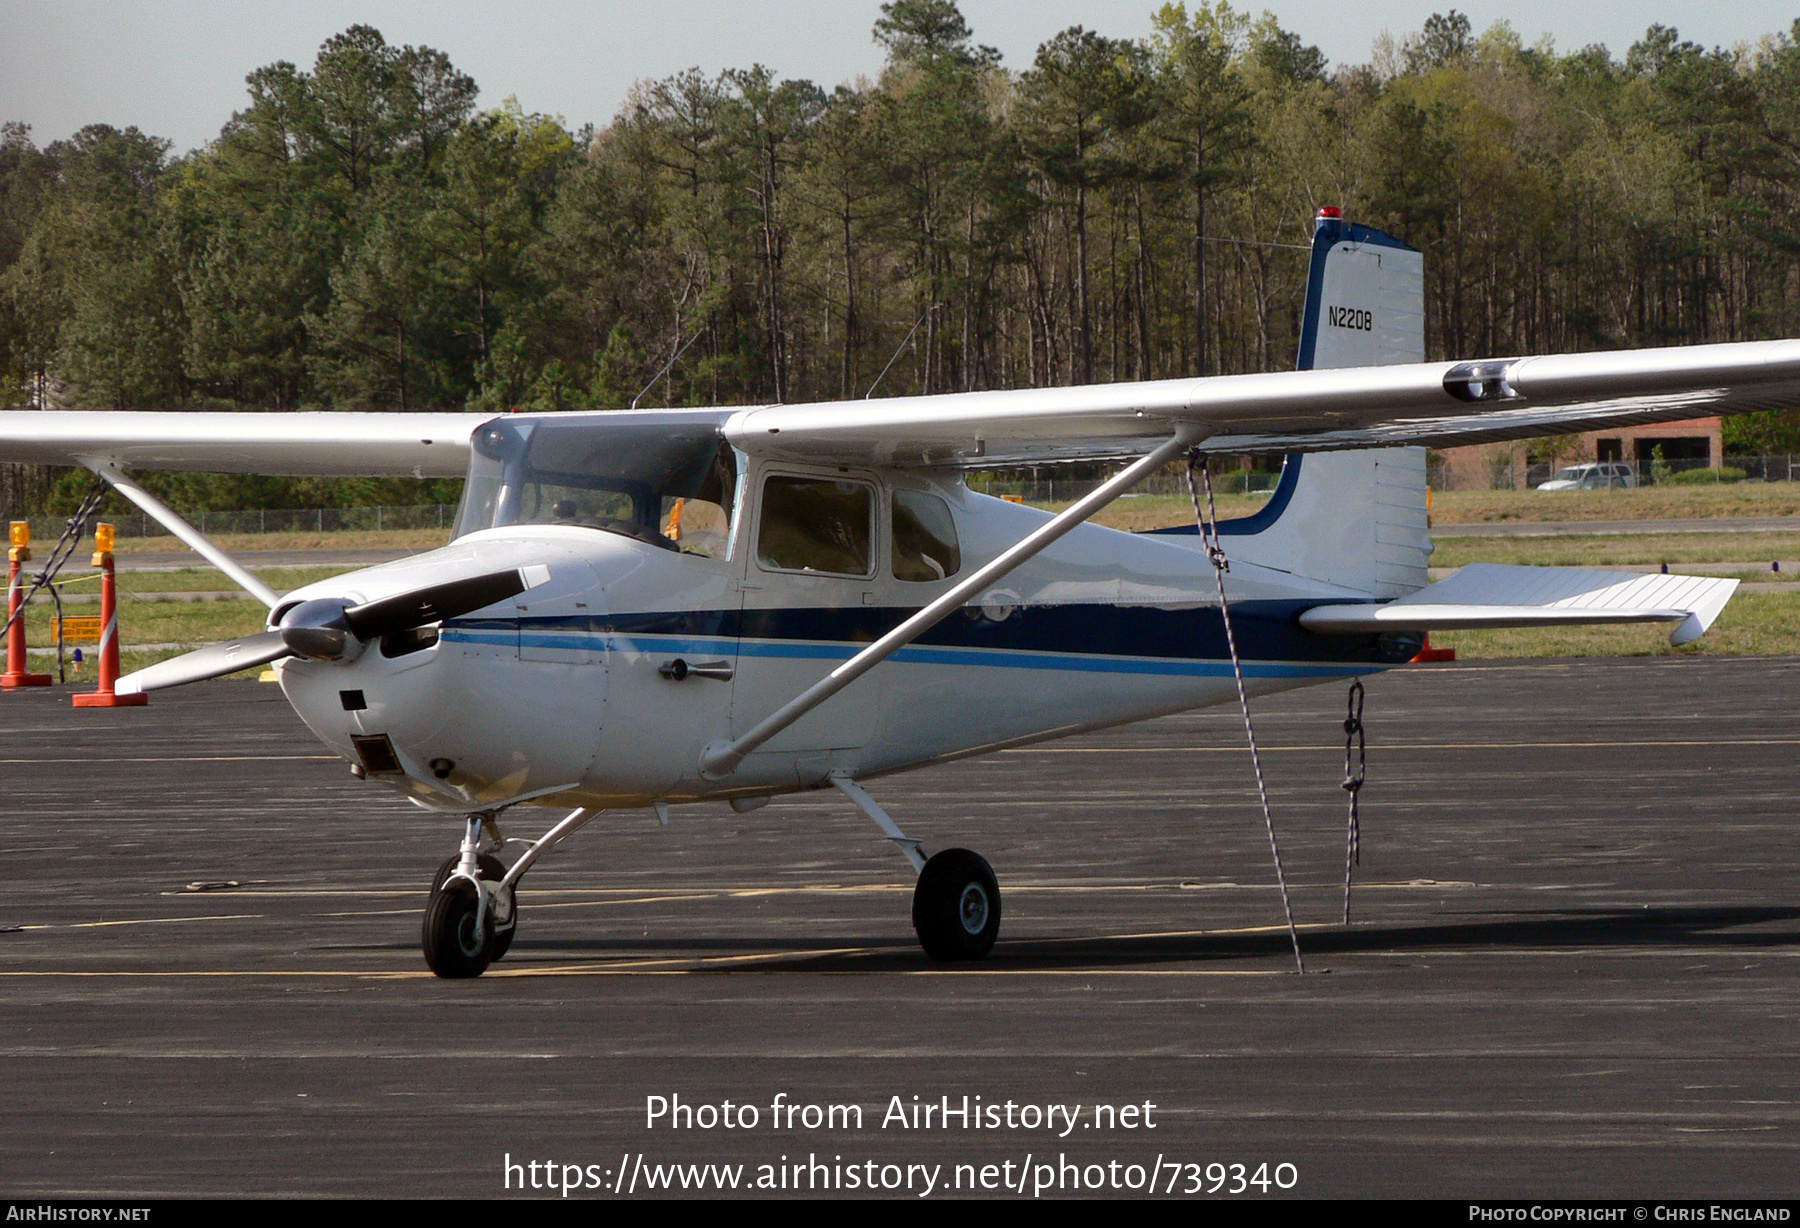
{"x":1595,"y":475}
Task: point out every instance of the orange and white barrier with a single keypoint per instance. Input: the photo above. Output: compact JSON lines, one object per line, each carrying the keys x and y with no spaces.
{"x":17,"y":673}
{"x":104,"y":696}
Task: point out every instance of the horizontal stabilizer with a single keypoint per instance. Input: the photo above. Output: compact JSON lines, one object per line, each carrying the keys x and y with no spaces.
{"x":1496,"y":595}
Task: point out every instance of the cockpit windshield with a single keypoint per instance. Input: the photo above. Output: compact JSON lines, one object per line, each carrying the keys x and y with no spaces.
{"x":665,"y":478}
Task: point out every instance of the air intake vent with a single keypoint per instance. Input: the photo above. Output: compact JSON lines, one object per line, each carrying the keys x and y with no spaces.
{"x":377,"y":754}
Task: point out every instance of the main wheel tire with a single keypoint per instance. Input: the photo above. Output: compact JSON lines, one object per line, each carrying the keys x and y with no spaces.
{"x":956,"y":906}
{"x":493,"y":870}
{"x":449,"y":933}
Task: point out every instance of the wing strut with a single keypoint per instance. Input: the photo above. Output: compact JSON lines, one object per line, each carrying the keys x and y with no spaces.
{"x":166,"y":517}
{"x":722,"y":758}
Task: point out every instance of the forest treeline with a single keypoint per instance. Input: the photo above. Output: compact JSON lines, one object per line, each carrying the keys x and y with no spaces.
{"x":361,"y":236}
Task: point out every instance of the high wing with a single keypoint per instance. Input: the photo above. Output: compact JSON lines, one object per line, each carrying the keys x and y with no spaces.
{"x":1432,"y":404}
{"x":273,"y":444}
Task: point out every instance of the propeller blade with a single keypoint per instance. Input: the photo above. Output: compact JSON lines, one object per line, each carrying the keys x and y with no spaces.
{"x":213,"y":661}
{"x":421,"y":606}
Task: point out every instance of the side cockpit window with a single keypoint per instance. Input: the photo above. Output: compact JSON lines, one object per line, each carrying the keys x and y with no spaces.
{"x":925,"y":546}
{"x":700,"y":522}
{"x":816,"y":525}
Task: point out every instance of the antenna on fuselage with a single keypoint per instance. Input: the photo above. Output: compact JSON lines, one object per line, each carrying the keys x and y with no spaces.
{"x":898,"y":350}
{"x":665,"y":370}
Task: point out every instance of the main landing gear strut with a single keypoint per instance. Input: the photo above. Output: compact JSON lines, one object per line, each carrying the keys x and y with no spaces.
{"x":956,"y":903}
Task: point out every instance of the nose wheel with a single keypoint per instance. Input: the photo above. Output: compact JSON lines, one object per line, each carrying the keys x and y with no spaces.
{"x":457,"y":944}
{"x":956,"y":906}
{"x":492,"y":870}
{"x":467,"y":927}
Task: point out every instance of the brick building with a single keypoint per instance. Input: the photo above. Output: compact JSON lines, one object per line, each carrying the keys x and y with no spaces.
{"x":1502,"y":466}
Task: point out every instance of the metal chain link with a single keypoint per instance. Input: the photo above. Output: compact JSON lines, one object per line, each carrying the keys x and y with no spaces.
{"x":60,"y":553}
{"x":1353,"y":783}
{"x":1207,"y":522}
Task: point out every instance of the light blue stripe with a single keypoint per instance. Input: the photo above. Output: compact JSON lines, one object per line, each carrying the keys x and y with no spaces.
{"x":1002,"y":658}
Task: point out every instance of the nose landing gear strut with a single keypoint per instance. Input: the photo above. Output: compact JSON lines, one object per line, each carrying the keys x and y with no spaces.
{"x":472,"y":915}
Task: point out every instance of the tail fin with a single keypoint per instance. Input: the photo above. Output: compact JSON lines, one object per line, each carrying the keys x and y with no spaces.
{"x":1365,"y":298}
{"x":1355,"y":519}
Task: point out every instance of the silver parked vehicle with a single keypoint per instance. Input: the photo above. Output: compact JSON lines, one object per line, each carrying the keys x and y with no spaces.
{"x":1594,"y":475}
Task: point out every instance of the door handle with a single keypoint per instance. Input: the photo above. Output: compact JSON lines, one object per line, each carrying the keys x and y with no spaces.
{"x":679,"y":670}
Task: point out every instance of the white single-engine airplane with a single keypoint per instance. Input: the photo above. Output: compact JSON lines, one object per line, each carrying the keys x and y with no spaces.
{"x":642,"y":609}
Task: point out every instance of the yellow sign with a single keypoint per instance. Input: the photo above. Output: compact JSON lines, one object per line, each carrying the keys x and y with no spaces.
{"x":84,"y":629}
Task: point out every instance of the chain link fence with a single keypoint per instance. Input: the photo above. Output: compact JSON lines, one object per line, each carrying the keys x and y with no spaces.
{"x":1684,"y":472}
{"x":1043,"y":486}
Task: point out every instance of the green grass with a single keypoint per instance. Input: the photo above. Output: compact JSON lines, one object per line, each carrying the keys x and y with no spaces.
{"x":1600,"y":550}
{"x":1759,"y":499}
{"x":185,"y":623}
{"x":1640,"y":503}
{"x":233,"y":543}
{"x":1762,"y":576}
{"x":197,"y":579}
{"x":160,"y":622}
{"x":1136,"y":513}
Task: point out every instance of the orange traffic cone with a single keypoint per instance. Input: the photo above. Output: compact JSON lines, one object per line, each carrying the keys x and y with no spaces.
{"x":104,"y":696}
{"x":17,"y":674}
{"x":1428,"y":653}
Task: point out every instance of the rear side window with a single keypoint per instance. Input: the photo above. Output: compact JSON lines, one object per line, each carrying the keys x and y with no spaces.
{"x":811,"y":524}
{"x":925,"y":546}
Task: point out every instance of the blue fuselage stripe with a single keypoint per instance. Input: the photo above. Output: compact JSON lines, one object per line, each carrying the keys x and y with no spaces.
{"x":1270,"y":654}
{"x":994,"y":658}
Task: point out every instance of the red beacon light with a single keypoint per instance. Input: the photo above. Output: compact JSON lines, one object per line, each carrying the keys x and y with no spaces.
{"x":1330,"y":211}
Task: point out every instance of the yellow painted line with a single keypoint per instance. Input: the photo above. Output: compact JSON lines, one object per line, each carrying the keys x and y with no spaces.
{"x":815,"y":889}
{"x":94,"y":925}
{"x":540,"y":898}
{"x":97,"y":761}
{"x":242,"y":893}
{"x":1238,"y":750}
{"x":760,"y":965}
{"x":1417,"y":884}
{"x":704,"y":961}
{"x":648,"y":899}
{"x":966,"y":970}
{"x":215,"y":973}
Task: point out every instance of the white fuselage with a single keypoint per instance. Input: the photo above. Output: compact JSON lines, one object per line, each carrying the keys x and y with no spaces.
{"x":559,"y":696}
